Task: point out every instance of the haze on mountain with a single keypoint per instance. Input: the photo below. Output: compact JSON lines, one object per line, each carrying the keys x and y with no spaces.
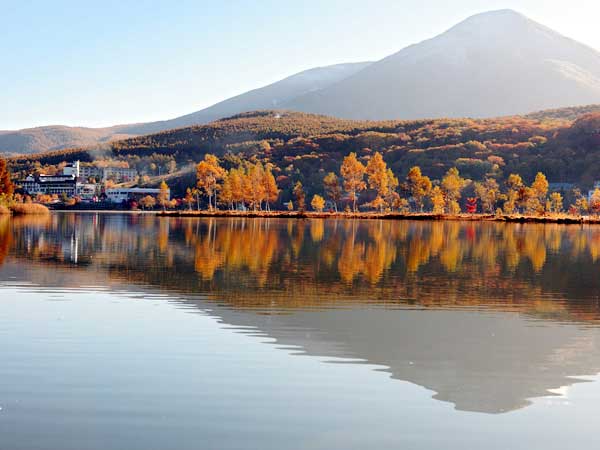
{"x":492,"y":64}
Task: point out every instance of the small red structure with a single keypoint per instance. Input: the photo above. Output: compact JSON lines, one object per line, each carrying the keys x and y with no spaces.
{"x":471,"y":205}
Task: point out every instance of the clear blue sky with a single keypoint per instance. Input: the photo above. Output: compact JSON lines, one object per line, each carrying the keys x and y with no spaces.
{"x":108,"y":62}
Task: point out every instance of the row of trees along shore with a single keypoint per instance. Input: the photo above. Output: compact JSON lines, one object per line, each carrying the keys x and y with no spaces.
{"x":253,"y":186}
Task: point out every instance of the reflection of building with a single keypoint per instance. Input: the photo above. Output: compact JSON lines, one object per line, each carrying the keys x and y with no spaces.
{"x":121,"y":195}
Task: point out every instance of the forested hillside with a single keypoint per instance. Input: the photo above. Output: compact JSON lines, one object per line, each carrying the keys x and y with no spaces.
{"x":572,"y":113}
{"x":304,"y":147}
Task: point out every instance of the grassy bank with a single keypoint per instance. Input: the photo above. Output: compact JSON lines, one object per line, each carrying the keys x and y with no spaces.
{"x":19,"y":209}
{"x":557,"y":218}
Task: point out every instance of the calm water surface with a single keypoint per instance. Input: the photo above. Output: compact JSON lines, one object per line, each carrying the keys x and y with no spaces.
{"x":136,"y":332}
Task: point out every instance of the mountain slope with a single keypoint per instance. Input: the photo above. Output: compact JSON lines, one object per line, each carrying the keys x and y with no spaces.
{"x":492,"y":64}
{"x":41,"y":139}
{"x":55,"y":137}
{"x":272,"y":96}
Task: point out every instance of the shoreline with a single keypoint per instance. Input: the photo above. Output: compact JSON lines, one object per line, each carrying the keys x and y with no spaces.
{"x":513,"y":218}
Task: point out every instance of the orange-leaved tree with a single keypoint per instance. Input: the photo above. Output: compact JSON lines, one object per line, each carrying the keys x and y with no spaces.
{"x":419,"y":185}
{"x":209,"y":173}
{"x":6,"y":185}
{"x":333,"y":189}
{"x":377,"y":174}
{"x":353,"y":172}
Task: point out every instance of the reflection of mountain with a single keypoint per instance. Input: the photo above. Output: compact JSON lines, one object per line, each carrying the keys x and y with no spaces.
{"x":520,"y":336}
{"x":479,"y":362}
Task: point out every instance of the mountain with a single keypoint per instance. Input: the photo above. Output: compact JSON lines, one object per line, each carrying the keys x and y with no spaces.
{"x":273,"y":96}
{"x":492,"y":64}
{"x":41,"y":139}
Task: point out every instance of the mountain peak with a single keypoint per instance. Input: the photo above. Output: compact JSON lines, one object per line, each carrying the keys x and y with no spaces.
{"x":502,"y":21}
{"x":491,"y":64}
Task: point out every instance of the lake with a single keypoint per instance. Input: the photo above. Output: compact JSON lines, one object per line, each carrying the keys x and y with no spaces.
{"x":138,"y":332}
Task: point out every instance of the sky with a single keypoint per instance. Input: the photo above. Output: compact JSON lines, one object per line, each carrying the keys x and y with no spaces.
{"x":102,"y":63}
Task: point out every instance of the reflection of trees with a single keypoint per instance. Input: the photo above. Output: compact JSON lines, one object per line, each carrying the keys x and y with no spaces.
{"x":302,"y":262}
{"x":245,"y":245}
{"x":4,"y":237}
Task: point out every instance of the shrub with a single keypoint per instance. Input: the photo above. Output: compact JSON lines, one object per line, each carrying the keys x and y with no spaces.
{"x":29,"y":208}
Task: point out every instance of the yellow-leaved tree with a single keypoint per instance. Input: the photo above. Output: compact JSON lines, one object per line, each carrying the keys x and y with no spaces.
{"x":539,"y":191}
{"x":377,"y":175}
{"x":163,"y":195}
{"x":318,"y":203}
{"x":452,"y":186}
{"x":299,"y":196}
{"x":209,"y":173}
{"x":333,"y":189}
{"x":419,"y":186}
{"x":353,"y":172}
{"x":437,"y":200}
{"x":270,"y":186}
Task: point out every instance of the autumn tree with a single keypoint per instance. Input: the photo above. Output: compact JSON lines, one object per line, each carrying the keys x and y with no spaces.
{"x":225,"y":194}
{"x":488,"y":192}
{"x":438,"y":200}
{"x":377,"y":176}
{"x":353,"y":172}
{"x":6,"y":185}
{"x":209,"y":173}
{"x":452,"y":186}
{"x":471,"y":205}
{"x":594,"y":204}
{"x":556,"y":202}
{"x":392,"y":198}
{"x":253,"y":185}
{"x":270,"y":187}
{"x":418,"y":185}
{"x":148,"y":202}
{"x":581,"y":203}
{"x":333,"y":189}
{"x":163,"y":195}
{"x":235,"y":178}
{"x":514,"y":184}
{"x":539,"y":188}
{"x":534,"y":198}
{"x":299,"y":196}
{"x":196,"y":193}
{"x":317,"y":203}
{"x":189,"y":198}
{"x":378,"y":203}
